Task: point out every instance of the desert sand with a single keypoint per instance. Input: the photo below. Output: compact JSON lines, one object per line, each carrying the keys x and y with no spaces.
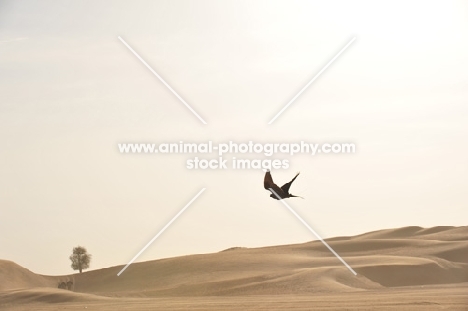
{"x":409,"y":268}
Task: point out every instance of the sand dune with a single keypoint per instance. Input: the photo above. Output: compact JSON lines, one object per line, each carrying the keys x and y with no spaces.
{"x":47,"y":295}
{"x":405,"y":259}
{"x":14,"y":276}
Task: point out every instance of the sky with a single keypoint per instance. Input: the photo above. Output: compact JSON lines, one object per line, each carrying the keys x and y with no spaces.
{"x":70,"y":91}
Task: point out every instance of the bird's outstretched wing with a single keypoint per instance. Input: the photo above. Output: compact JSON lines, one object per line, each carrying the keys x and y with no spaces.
{"x":268,"y":183}
{"x":286,"y":186}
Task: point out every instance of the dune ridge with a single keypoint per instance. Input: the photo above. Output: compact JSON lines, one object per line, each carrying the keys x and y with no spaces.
{"x":13,"y":276}
{"x":385,"y":259}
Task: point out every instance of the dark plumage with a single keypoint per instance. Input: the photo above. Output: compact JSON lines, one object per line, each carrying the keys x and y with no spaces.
{"x":282,"y":192}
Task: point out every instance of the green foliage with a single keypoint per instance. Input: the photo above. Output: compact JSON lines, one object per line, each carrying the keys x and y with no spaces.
{"x":80,"y":258}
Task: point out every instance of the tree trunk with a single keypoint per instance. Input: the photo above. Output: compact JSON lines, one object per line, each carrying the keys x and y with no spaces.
{"x":79,"y":262}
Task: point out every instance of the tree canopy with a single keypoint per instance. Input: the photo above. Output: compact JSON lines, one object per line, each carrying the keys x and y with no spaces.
{"x":80,"y":258}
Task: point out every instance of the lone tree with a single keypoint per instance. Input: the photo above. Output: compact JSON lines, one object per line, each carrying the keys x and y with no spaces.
{"x":80,"y":258}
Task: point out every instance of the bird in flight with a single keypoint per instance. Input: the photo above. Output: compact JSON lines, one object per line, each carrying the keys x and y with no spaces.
{"x":282,"y":192}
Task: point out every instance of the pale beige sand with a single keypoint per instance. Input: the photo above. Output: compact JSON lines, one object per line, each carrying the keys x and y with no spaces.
{"x":408,"y":268}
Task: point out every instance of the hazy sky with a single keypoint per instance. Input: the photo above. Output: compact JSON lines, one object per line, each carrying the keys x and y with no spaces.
{"x":70,"y":91}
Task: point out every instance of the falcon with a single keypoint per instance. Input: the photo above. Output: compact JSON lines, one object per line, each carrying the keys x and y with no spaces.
{"x":282,"y":192}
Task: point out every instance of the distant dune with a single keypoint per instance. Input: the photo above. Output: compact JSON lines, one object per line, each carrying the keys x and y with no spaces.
{"x":395,"y":260}
{"x":14,"y":276}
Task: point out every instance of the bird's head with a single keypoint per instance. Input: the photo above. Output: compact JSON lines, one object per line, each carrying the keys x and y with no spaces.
{"x":294,"y":196}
